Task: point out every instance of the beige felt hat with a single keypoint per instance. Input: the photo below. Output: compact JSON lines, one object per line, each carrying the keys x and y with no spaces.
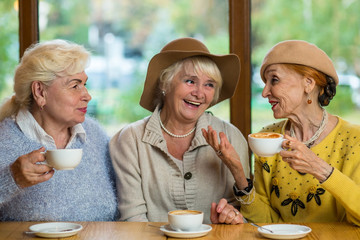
{"x":229,"y":66}
{"x":302,"y":53}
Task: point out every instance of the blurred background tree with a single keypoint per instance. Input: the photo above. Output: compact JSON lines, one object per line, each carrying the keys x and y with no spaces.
{"x":333,"y":25}
{"x":123,"y":35}
{"x":9,"y":45}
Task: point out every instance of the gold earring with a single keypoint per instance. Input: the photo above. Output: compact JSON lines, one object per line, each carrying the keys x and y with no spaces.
{"x":309,"y":101}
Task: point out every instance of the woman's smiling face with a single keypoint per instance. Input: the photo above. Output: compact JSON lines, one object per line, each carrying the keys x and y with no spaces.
{"x":190,"y":95}
{"x":284,"y":89}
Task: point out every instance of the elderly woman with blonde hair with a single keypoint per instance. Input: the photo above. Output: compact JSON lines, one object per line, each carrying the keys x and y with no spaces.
{"x":46,"y":112}
{"x":163,"y":162}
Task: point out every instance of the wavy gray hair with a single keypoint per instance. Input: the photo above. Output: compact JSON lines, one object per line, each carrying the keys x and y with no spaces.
{"x":43,"y":62}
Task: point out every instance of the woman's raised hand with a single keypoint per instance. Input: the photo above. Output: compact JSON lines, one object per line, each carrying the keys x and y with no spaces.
{"x":27,"y":173}
{"x":223,"y":149}
{"x":227,"y":154}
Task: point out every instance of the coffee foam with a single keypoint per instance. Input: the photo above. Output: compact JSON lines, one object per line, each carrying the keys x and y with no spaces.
{"x":265,"y":135}
{"x":185,"y":212}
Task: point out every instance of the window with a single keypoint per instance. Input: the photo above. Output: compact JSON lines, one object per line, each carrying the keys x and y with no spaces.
{"x":318,"y":22}
{"x":123,"y":36}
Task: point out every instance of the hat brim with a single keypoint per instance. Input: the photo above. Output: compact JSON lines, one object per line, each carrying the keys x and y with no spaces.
{"x":229,"y":66}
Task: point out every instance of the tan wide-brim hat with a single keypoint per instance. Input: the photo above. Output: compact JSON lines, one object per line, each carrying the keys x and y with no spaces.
{"x":229,"y":66}
{"x":302,"y":53}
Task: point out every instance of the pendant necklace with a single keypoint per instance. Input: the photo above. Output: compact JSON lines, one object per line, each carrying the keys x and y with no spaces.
{"x":172,"y":134}
{"x":317,"y":134}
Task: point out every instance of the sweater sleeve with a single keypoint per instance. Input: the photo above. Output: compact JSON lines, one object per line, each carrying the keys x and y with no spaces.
{"x":125,"y":159}
{"x":8,"y":188}
{"x":344,"y":182}
{"x":346,"y":190}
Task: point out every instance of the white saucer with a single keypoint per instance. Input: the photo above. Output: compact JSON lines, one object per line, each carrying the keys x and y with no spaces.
{"x":55,"y":229}
{"x":168,"y":231}
{"x":284,"y":231}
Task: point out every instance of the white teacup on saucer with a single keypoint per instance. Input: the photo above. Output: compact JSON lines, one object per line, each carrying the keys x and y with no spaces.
{"x":185,"y":220}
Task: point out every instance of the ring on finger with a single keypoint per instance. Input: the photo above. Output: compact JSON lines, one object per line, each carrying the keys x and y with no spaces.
{"x":236,"y":212}
{"x":219,"y":153}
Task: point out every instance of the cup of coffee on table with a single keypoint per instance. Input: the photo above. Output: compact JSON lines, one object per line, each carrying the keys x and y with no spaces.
{"x":185,"y":220}
{"x":265,"y":144}
{"x":63,"y":159}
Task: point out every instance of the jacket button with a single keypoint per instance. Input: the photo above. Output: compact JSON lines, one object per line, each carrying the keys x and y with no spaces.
{"x":188,"y":175}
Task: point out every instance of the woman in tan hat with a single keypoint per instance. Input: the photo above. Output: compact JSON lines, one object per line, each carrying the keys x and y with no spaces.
{"x":163,"y":162}
{"x":316,"y":178}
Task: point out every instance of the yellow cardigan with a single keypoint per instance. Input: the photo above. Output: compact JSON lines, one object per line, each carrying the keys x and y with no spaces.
{"x":285,"y":195}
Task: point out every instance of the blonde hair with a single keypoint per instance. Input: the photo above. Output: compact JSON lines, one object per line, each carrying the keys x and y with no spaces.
{"x":43,"y":62}
{"x":201,"y":64}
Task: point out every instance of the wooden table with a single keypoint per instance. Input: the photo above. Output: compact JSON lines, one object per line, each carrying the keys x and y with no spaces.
{"x":140,"y":231}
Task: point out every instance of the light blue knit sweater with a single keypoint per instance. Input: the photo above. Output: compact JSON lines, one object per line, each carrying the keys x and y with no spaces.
{"x":86,"y":193}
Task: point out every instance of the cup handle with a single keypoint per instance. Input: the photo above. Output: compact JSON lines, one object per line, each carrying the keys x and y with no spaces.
{"x":44,"y":162}
{"x":281,"y":148}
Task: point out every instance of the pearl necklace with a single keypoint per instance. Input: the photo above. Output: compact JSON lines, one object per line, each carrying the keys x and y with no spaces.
{"x":174,"y":135}
{"x":317,"y":134}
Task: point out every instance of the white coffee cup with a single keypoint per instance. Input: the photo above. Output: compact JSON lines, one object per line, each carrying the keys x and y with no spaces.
{"x":63,"y":159}
{"x":185,"y":220}
{"x":265,"y":144}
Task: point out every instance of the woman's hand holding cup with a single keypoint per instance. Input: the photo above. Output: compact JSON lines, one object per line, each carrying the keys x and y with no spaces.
{"x":63,"y":159}
{"x":26,"y":172}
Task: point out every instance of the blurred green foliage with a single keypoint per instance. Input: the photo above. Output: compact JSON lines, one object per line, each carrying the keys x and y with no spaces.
{"x":342,"y":103}
{"x":66,"y":20}
{"x":9,"y":45}
{"x":333,"y":25}
{"x":145,"y":26}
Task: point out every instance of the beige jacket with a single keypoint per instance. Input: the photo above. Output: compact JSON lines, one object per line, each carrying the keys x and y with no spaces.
{"x":149,"y":182}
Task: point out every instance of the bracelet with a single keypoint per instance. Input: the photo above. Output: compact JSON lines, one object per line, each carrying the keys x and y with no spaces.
{"x":244,"y":192}
{"x":247,"y":200}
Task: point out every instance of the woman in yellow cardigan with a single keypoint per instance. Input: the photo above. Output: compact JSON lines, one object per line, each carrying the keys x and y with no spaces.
{"x":316,"y":178}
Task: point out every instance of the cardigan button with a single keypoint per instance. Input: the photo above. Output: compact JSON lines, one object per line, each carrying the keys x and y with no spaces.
{"x":188,"y":175}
